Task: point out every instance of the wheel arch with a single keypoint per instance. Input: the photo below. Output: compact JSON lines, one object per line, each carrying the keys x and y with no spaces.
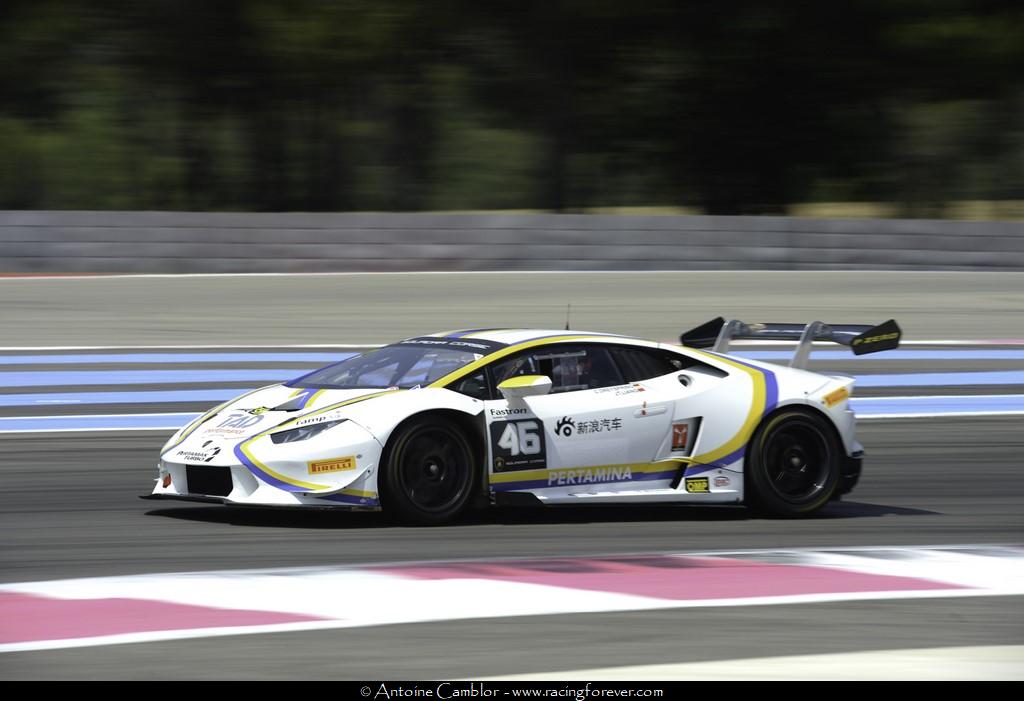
{"x":752,"y":496}
{"x":471,"y":424}
{"x":803,"y":408}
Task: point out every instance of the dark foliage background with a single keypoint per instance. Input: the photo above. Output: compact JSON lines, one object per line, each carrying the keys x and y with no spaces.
{"x":730,"y":106}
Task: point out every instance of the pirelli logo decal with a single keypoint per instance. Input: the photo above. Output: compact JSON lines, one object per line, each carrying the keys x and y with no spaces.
{"x":333,"y":465}
{"x":833,"y":398}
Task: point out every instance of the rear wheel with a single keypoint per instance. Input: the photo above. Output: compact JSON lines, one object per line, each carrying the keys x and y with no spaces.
{"x":429,"y":473}
{"x":793,"y":464}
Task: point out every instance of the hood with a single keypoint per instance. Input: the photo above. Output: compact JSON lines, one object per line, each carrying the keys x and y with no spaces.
{"x":248,"y":415}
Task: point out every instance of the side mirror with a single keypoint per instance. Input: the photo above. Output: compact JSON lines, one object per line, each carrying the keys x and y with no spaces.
{"x":525,"y":386}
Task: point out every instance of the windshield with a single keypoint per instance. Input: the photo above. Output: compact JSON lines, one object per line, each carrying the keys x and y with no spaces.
{"x":403,"y":366}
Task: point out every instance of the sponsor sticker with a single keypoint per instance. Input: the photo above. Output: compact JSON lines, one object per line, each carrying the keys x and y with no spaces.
{"x":721,"y":481}
{"x":238,"y":422}
{"x":833,"y":398}
{"x":593,"y":475}
{"x":568,"y":426}
{"x":477,"y":345}
{"x":333,"y":465}
{"x":508,"y":412}
{"x":697,"y":485}
{"x":680,"y":435}
{"x":620,"y":390}
{"x":207,"y":453}
{"x":876,"y":339}
{"x":319,"y":418}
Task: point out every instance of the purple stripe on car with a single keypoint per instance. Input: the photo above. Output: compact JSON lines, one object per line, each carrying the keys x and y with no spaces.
{"x":545,"y":483}
{"x":771,"y":400}
{"x":268,"y":478}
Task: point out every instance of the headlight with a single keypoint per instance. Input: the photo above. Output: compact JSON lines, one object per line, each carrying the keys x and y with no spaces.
{"x":303,"y":433}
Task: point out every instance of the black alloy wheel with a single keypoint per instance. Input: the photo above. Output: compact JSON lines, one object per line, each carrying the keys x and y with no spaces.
{"x":429,"y":475}
{"x":793,"y":464}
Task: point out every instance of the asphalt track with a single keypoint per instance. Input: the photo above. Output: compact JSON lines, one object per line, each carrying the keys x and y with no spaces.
{"x":68,"y":507}
{"x":379,"y":308}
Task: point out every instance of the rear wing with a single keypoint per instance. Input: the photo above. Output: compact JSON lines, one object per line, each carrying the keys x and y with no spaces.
{"x":861,"y":338}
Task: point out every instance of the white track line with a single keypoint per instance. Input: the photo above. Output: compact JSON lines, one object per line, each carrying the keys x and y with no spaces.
{"x":1003,"y":662}
{"x":129,"y":276}
{"x":427,"y":617}
{"x":925,"y":415}
{"x":175,"y":427}
{"x":376,"y":344}
{"x":384,"y":596}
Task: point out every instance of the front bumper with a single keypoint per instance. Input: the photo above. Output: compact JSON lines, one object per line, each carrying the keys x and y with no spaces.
{"x":197,"y":499}
{"x":237,"y":486}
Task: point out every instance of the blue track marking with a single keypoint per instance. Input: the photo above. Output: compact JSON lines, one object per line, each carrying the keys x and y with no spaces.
{"x":170,"y":422}
{"x":213,"y":396}
{"x":901,"y":354}
{"x":302,"y":357}
{"x":870,"y":407}
{"x":942,"y":379}
{"x":130,"y":377}
{"x":882,"y":406}
{"x":86,"y":358}
{"x":144,"y":377}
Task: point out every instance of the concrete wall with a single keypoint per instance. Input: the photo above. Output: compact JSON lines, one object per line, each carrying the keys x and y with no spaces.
{"x":184,"y":242}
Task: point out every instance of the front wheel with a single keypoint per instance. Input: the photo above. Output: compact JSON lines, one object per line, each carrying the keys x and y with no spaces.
{"x":793,"y":464}
{"x":428,"y":476}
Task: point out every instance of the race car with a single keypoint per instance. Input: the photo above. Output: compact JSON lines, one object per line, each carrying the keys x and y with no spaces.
{"x":430,"y":426}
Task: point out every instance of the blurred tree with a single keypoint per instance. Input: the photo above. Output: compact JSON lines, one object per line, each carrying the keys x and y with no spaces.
{"x":733,"y":106}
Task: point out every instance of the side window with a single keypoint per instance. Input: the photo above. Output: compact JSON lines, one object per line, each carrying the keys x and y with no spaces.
{"x":571,"y":368}
{"x":640,"y":363}
{"x":516,"y":366}
{"x":474,"y":386}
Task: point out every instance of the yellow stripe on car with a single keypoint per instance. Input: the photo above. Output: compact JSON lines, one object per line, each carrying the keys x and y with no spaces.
{"x":244,"y":447}
{"x":358,"y":493}
{"x":327,"y":408}
{"x":277,"y":475}
{"x":507,"y":351}
{"x":543,"y":474}
{"x":191,"y":428}
{"x":522,"y":381}
{"x":754,"y":414}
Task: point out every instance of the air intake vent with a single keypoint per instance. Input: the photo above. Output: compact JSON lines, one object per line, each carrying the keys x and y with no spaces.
{"x":208,"y":481}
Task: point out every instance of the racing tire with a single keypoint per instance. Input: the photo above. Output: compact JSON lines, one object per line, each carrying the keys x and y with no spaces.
{"x":429,"y":474}
{"x":793,"y":465}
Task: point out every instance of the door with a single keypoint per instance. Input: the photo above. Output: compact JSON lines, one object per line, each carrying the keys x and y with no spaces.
{"x":592,"y":428}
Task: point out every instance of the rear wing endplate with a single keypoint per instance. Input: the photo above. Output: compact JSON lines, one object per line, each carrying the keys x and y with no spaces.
{"x":861,"y":338}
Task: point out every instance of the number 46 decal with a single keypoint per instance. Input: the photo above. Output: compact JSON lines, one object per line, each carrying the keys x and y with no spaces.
{"x":518,"y":445}
{"x":521,"y":438}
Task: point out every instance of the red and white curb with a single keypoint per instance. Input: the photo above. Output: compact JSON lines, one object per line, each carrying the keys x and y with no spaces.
{"x":144,"y":608}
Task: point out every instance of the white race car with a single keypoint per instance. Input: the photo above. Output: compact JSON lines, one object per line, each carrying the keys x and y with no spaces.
{"x":427,"y":427}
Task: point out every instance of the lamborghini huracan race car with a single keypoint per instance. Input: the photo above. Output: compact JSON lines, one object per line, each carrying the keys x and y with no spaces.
{"x":427,"y":427}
